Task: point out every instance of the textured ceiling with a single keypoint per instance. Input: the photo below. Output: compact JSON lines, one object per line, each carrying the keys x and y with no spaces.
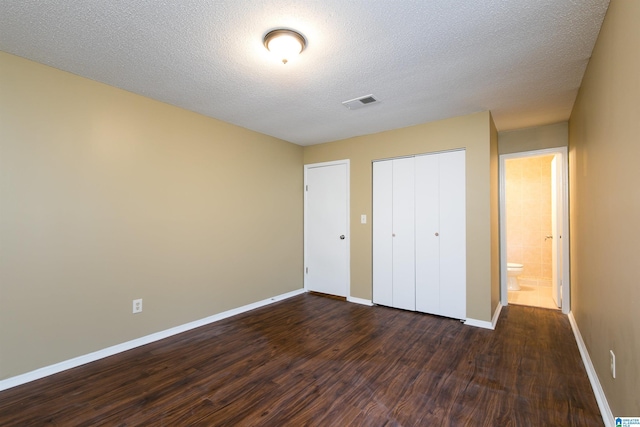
{"x":424,"y":60}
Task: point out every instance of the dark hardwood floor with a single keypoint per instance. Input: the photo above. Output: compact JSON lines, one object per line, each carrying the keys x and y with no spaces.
{"x":312,"y":360}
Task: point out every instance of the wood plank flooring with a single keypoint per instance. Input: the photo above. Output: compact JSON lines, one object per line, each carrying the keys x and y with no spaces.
{"x":317,"y":361}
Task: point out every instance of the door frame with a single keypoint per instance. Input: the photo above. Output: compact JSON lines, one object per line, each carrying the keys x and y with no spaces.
{"x":566,"y":262}
{"x":348,"y":222}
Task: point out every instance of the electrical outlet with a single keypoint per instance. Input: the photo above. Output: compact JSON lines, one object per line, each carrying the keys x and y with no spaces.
{"x":613,"y":363}
{"x":137,"y":305}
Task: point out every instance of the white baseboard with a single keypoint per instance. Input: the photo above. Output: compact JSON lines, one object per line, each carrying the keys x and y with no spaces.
{"x":605,"y":410}
{"x":496,"y":316}
{"x":478,"y":323}
{"x":360,"y":301}
{"x":119,"y":348}
{"x":483,"y":323}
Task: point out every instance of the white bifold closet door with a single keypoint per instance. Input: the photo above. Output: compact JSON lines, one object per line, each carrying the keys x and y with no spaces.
{"x":382,"y":228}
{"x":441,"y":278}
{"x":419,"y":233}
{"x":394,"y":224}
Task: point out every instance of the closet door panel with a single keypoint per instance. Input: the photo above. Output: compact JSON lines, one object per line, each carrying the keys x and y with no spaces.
{"x":427,"y":242}
{"x":453,"y":275}
{"x":382,"y":229}
{"x":404,"y":234}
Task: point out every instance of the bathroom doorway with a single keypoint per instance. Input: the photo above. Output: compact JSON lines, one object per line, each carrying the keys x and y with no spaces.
{"x":534,"y":237}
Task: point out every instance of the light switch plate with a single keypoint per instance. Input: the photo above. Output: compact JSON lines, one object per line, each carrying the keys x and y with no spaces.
{"x":363,"y":219}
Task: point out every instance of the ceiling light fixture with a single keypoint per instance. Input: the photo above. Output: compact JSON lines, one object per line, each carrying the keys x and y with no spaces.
{"x":284,"y":44}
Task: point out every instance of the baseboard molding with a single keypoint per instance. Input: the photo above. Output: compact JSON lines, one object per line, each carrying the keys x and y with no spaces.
{"x":483,"y":323}
{"x":478,"y":323}
{"x":496,"y":316}
{"x":605,"y":410}
{"x":360,"y":301}
{"x":119,"y":348}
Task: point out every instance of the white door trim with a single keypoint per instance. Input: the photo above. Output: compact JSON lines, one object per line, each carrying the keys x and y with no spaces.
{"x":346,"y":162}
{"x":566,"y":284}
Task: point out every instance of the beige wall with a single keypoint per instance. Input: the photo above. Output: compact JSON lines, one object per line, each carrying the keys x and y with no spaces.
{"x":106,"y":196}
{"x":534,"y":138}
{"x":495,"y":215}
{"x":528,"y":206}
{"x":471,"y":132}
{"x":604,"y":142}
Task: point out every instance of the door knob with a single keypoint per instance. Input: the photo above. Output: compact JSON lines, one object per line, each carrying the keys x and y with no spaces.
{"x":437,"y":234}
{"x":342,"y":237}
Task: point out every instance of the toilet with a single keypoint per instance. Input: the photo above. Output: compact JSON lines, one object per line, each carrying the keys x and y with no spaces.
{"x":513,"y":271}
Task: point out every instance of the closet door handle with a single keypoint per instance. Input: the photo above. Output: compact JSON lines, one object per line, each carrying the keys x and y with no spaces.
{"x":342,"y":237}
{"x":437,"y":234}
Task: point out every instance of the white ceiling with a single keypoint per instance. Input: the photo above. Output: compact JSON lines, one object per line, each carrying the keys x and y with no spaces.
{"x":424,"y":60}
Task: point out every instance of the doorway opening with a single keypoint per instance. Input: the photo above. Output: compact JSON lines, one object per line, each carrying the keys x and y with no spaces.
{"x":534,"y":241}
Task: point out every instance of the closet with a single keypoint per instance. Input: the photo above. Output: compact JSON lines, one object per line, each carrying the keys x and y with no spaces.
{"x":419,"y":233}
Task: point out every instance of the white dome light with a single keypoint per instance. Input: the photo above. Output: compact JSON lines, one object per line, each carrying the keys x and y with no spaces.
{"x":284,"y":44}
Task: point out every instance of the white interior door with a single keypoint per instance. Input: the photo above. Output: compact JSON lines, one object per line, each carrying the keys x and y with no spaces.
{"x":382,"y":225}
{"x":326,"y":228}
{"x":556,"y":231}
{"x":403,"y":234}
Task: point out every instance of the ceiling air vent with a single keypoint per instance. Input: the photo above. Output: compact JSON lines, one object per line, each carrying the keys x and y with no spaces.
{"x":363,"y":101}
